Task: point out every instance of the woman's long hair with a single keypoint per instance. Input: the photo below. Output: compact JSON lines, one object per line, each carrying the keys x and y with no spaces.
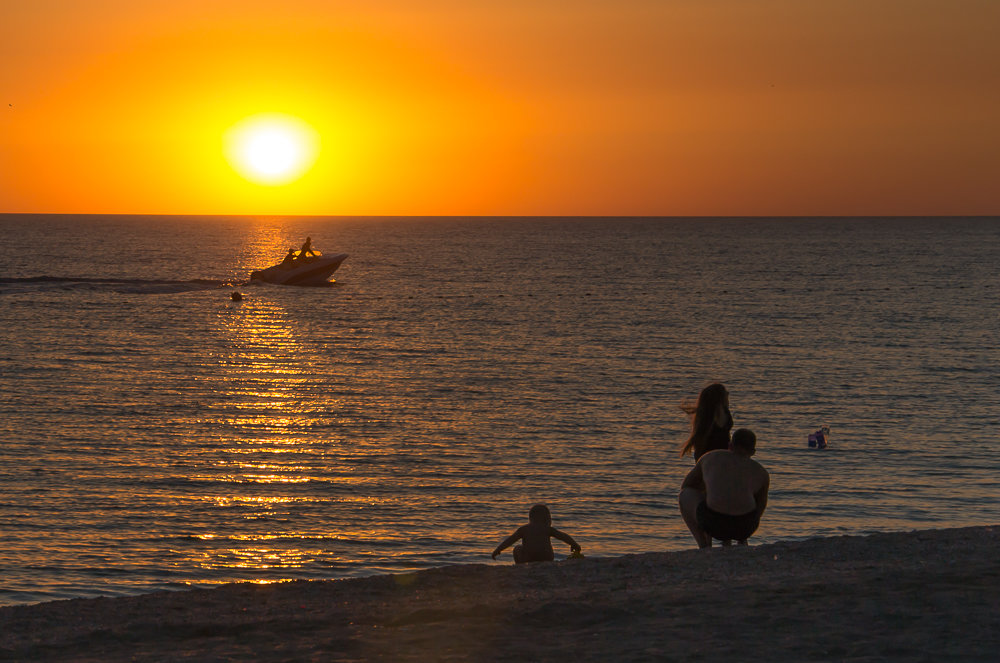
{"x":706,"y":432}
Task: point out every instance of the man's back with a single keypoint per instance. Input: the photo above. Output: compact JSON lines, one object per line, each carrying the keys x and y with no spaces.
{"x":734,"y":483}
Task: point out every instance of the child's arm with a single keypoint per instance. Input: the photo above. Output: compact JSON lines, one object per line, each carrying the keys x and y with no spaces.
{"x":565,"y":538}
{"x":510,"y":540}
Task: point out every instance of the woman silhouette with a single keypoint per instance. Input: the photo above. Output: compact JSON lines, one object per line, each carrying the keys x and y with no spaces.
{"x":711,"y":421}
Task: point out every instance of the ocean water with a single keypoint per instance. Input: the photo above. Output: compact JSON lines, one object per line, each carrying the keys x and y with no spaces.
{"x":155,"y":434}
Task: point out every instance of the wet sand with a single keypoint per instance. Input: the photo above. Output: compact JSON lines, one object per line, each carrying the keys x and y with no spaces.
{"x":916,"y":596}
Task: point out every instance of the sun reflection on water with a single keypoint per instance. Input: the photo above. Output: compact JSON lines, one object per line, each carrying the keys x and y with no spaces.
{"x":266,"y":244}
{"x":265,"y":407}
{"x":257,"y":478}
{"x":258,"y":558}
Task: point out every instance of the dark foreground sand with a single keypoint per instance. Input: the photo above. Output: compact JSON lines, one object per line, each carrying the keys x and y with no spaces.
{"x":917,"y":596}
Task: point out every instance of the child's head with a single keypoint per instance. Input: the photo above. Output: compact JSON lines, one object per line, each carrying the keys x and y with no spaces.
{"x":540,"y":514}
{"x":744,"y":440}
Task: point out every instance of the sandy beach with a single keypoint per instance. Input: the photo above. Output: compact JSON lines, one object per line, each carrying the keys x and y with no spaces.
{"x":924,"y":595}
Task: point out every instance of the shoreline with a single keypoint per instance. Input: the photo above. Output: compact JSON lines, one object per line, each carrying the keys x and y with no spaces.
{"x":903,"y":596}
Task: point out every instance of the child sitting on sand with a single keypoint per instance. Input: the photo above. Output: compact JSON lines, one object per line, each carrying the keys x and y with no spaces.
{"x":535,"y":546}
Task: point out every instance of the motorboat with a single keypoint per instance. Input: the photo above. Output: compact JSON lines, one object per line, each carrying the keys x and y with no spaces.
{"x":299,"y":269}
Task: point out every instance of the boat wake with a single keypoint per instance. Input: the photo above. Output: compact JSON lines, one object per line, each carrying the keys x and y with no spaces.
{"x":129,"y":286}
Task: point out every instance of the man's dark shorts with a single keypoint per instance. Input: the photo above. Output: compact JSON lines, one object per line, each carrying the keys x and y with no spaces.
{"x":724,"y":527}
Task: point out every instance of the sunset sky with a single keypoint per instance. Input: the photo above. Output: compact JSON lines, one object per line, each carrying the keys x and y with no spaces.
{"x":504,"y":107}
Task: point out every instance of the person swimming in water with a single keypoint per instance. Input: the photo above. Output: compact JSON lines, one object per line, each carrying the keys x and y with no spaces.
{"x":535,"y":538}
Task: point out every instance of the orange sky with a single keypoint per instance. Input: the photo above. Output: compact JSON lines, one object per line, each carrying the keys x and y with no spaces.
{"x":603,"y":107}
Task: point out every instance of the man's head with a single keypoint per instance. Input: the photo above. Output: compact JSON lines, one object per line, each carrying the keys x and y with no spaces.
{"x":744,"y":441}
{"x":540,"y":514}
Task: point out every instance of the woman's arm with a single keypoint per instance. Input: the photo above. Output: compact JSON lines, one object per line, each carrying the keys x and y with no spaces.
{"x":694,"y":479}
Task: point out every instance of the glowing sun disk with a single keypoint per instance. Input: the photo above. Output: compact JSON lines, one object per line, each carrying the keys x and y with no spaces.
{"x":271,"y":148}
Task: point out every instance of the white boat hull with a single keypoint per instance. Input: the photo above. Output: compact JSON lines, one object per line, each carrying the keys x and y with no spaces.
{"x":309,"y":271}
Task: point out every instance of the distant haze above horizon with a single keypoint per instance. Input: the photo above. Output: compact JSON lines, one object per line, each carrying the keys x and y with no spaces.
{"x":549,"y":107}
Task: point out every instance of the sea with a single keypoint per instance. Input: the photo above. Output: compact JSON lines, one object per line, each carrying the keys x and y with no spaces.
{"x":156,"y":434}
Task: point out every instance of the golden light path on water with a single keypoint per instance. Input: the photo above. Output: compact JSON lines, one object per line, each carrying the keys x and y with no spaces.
{"x":262,"y":377}
{"x":273,"y":466}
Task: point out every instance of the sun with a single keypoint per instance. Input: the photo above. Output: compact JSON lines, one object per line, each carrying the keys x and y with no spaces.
{"x":271,"y":148}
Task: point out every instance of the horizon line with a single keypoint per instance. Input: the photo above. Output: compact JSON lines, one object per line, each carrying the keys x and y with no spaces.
{"x":522,"y":216}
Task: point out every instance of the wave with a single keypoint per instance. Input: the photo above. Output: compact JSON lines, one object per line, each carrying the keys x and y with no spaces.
{"x":130,"y":286}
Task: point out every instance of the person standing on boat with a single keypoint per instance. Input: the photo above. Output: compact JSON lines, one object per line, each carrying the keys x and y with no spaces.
{"x":306,"y":248}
